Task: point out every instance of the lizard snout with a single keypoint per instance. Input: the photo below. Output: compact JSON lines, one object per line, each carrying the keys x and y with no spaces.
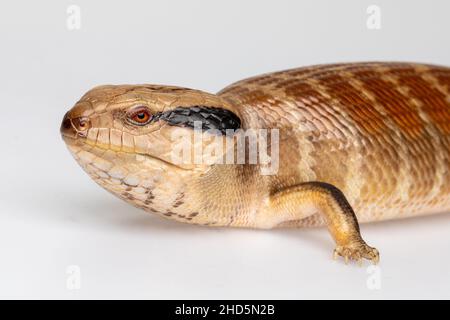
{"x":73,"y":127}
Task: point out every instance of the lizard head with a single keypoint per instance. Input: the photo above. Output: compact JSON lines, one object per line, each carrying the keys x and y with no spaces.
{"x":138,"y":142}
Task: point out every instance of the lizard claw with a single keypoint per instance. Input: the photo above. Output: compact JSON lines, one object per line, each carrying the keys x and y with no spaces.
{"x":357,"y":252}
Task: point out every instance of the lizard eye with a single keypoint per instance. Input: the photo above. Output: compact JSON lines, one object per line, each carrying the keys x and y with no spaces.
{"x":140,"y":116}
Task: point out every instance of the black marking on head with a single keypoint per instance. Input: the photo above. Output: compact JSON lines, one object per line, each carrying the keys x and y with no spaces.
{"x":210,"y":118}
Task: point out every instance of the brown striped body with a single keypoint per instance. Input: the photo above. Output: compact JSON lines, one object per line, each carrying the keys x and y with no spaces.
{"x":380,"y":132}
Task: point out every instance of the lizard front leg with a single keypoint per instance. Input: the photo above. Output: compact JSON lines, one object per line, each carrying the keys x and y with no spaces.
{"x":300,"y":201}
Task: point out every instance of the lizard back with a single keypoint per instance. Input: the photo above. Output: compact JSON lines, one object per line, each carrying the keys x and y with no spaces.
{"x":380,"y":132}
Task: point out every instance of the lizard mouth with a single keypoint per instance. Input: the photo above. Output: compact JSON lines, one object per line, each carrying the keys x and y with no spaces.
{"x":77,"y":145}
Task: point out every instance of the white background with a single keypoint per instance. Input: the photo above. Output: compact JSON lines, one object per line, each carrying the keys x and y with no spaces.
{"x":53,"y":216}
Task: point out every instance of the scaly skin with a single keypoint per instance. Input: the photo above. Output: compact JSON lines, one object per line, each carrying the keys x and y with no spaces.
{"x":368,"y":137}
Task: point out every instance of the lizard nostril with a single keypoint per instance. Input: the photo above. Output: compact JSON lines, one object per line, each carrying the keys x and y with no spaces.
{"x":72,"y":127}
{"x":81,"y":124}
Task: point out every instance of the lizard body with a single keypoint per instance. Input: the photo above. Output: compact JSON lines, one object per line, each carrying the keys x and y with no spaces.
{"x":357,"y":142}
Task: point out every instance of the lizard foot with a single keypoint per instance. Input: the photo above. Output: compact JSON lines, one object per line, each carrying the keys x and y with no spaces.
{"x":357,"y":251}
